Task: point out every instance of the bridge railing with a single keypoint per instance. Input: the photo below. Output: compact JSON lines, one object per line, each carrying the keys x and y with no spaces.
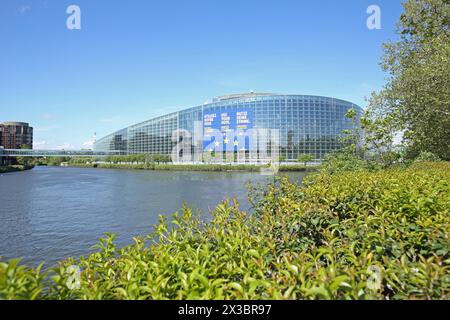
{"x":57,"y":153}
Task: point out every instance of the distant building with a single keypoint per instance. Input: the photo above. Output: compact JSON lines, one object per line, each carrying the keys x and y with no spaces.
{"x":306,"y":124}
{"x":16,"y":135}
{"x":3,"y":160}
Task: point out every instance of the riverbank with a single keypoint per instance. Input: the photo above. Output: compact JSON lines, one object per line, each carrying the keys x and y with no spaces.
{"x":15,"y":168}
{"x":203,"y":167}
{"x":383,"y":234}
{"x":86,"y":202}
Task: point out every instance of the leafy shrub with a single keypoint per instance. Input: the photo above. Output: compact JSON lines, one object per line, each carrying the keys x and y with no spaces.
{"x":187,"y":167}
{"x":354,"y":235}
{"x":427,"y":156}
{"x":343,"y":162}
{"x":14,"y":168}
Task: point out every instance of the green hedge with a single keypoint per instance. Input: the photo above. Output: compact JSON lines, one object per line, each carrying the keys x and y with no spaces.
{"x":14,"y":168}
{"x":174,"y":167}
{"x":356,"y":235}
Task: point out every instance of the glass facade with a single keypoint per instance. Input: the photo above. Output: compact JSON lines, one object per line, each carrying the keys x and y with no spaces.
{"x":306,"y":124}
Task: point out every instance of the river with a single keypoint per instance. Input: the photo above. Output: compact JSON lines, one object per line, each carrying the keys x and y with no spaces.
{"x":51,"y":213}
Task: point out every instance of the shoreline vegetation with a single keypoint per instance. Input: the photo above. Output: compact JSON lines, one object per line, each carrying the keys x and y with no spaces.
{"x":191,"y":167}
{"x":162,"y":163}
{"x":372,"y":223}
{"x":383,"y":234}
{"x":15,"y":168}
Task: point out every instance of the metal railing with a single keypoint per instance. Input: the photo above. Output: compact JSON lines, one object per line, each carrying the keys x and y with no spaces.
{"x":57,"y":153}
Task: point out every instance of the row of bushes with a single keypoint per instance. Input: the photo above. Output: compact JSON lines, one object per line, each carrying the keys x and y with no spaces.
{"x":14,"y":168}
{"x":379,"y":235}
{"x":174,"y":167}
{"x":144,"y":158}
{"x":133,"y":158}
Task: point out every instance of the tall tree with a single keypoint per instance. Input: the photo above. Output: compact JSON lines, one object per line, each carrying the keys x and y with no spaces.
{"x":416,"y":98}
{"x":305,"y":158}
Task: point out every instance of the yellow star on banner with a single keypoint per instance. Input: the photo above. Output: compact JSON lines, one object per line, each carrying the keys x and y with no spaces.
{"x":236,"y":143}
{"x":217,"y":143}
{"x":226,"y":141}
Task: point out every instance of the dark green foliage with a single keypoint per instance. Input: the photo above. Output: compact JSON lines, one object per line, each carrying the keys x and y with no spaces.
{"x":416,"y":99}
{"x":139,"y":159}
{"x":305,"y":158}
{"x":56,"y":161}
{"x":14,"y":168}
{"x":342,"y":162}
{"x":186,"y":167}
{"x":427,"y":156}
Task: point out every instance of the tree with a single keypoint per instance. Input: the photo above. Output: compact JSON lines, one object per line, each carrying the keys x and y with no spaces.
{"x":156,"y":158}
{"x":417,"y":94}
{"x":305,"y":158}
{"x":379,"y":135}
{"x":165,"y":158}
{"x":351,"y":137}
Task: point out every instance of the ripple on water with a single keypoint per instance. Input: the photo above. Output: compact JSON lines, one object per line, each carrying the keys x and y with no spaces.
{"x":51,"y":213}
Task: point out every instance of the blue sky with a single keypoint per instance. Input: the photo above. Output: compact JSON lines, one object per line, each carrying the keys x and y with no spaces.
{"x":136,"y":59}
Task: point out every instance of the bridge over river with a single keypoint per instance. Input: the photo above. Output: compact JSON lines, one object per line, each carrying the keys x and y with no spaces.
{"x":57,"y":153}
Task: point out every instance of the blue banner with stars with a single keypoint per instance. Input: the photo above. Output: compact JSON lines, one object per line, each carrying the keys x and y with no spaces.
{"x":224,"y":130}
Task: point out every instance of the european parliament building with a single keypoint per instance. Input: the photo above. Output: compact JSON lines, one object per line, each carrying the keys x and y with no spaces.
{"x":304,"y":125}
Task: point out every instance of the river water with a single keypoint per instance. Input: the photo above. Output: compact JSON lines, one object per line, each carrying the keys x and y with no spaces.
{"x":51,"y":213}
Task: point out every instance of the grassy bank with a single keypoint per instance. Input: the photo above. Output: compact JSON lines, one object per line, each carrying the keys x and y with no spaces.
{"x":174,"y":167}
{"x":380,"y":235}
{"x":14,"y":168}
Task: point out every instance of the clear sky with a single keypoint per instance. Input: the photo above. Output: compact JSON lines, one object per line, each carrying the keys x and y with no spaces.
{"x":136,"y":59}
